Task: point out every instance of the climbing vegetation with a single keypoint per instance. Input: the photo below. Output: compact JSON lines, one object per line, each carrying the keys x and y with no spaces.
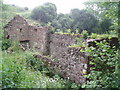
{"x":103,"y":66}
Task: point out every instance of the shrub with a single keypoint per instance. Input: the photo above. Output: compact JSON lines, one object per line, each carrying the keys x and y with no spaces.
{"x":93,"y":36}
{"x":6,"y":44}
{"x":36,"y":64}
{"x":84,"y":34}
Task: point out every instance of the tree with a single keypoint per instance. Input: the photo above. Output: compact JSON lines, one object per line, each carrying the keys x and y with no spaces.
{"x":26,"y":8}
{"x":62,"y":22}
{"x":83,"y":20}
{"x":45,"y":13}
{"x":105,"y":25}
{"x":76,"y":19}
{"x":103,"y":10}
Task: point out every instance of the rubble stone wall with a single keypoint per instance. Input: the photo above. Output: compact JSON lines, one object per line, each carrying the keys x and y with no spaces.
{"x":71,"y":66}
{"x":36,"y":36}
{"x":39,"y":38}
{"x":16,"y":29}
{"x":59,"y":44}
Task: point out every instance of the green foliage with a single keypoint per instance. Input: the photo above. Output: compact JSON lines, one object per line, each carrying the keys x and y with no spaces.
{"x":14,"y":47}
{"x":68,"y":31}
{"x":22,"y":70}
{"x":105,"y":25}
{"x":1,"y":34}
{"x":83,"y":20}
{"x":93,"y":36}
{"x":77,"y":31}
{"x":80,"y":41}
{"x":76,"y":19}
{"x":26,"y":8}
{"x":36,"y":64}
{"x":45,"y":13}
{"x":104,"y":60}
{"x":7,"y":12}
{"x":103,"y":10}
{"x":84,"y":34}
{"x":62,"y":22}
{"x":6,"y":44}
{"x":109,"y":34}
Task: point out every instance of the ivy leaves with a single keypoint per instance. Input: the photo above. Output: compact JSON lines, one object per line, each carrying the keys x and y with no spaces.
{"x":103,"y":62}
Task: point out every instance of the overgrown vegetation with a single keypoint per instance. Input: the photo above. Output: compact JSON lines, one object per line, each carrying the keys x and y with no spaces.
{"x":6,"y":44}
{"x":22,"y":70}
{"x":105,"y":35}
{"x":103,"y":66}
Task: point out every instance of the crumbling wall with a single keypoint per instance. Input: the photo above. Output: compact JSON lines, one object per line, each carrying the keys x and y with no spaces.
{"x":66,"y":61}
{"x":71,"y":66}
{"x":36,"y":36}
{"x":16,"y":29}
{"x":39,"y":38}
{"x":59,"y":44}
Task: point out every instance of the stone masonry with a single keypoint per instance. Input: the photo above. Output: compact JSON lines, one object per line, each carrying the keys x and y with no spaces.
{"x":68,"y":62}
{"x":28,"y":36}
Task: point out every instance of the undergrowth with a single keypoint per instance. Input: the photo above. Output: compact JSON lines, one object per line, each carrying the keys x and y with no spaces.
{"x":20,"y":70}
{"x":103,"y":66}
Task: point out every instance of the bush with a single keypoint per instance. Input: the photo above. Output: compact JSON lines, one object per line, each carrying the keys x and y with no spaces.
{"x":84,"y":34}
{"x":6,"y":44}
{"x":106,"y":35}
{"x":36,"y":64}
{"x":93,"y":36}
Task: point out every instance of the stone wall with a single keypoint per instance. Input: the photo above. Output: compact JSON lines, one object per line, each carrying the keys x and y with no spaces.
{"x":66,"y":61}
{"x":35,"y":37}
{"x":59,"y":44}
{"x":39,"y":38}
{"x":16,"y":29}
{"x":71,"y":66}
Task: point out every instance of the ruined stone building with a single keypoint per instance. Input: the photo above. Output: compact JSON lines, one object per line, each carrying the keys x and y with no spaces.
{"x":70,"y":61}
{"x":28,"y":36}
